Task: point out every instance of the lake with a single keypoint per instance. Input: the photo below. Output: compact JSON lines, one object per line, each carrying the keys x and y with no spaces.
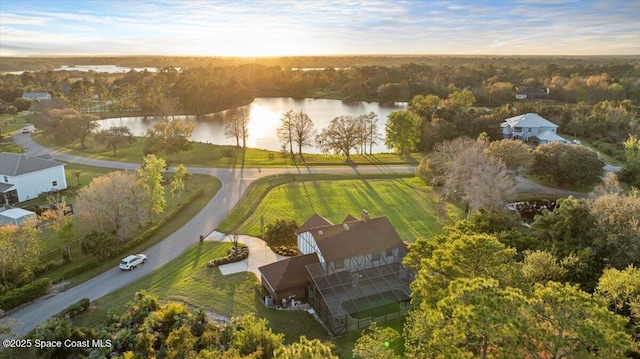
{"x":111,"y":69}
{"x":264,"y":119}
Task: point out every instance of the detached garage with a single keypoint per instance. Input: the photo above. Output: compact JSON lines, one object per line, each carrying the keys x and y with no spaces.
{"x":15,"y":216}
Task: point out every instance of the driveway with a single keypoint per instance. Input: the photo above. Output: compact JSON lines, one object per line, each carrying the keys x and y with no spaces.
{"x":259,"y":254}
{"x":234,"y":183}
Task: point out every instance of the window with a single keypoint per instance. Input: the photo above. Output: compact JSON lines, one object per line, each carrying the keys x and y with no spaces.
{"x":6,"y":179}
{"x":54,"y":183}
{"x":375,"y":257}
{"x":530,"y":129}
{"x":389,"y":252}
{"x":338,"y":264}
{"x":517,"y":129}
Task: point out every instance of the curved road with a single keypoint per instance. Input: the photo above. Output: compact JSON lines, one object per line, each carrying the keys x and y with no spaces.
{"x":234,"y":182}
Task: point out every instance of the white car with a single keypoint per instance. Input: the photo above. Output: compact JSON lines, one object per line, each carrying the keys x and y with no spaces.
{"x":132,"y":261}
{"x":25,"y":130}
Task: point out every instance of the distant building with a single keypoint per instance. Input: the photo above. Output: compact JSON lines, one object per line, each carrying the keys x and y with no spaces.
{"x":349,"y":273}
{"x":15,"y":216}
{"x":531,"y":93}
{"x":39,"y":96}
{"x":25,"y":177}
{"x":531,"y":127}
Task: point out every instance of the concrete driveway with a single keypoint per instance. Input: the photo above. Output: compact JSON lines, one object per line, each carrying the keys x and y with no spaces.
{"x":259,"y":254}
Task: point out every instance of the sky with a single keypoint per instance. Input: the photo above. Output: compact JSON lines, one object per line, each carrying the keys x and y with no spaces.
{"x":314,"y":27}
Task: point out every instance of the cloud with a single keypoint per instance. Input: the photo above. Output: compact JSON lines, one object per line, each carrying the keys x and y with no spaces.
{"x":322,"y":27}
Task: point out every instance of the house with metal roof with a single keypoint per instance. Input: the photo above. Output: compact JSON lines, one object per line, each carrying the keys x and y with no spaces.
{"x":36,"y":96}
{"x":350,"y":273}
{"x":531,"y":127}
{"x":24,"y":177}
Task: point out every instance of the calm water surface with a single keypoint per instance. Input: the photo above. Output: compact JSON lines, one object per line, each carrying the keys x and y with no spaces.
{"x":265,"y":114}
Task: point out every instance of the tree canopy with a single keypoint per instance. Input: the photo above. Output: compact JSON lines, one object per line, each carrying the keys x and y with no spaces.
{"x":402,"y":131}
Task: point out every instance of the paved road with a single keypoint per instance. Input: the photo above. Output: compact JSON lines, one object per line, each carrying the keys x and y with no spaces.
{"x":234,"y":182}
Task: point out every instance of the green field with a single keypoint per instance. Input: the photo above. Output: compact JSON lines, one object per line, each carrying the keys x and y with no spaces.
{"x":413,"y":208}
{"x":188,"y":280}
{"x":208,"y":155}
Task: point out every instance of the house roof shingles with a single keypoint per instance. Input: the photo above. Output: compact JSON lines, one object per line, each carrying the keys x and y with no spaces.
{"x":13,"y":164}
{"x":288,"y":273}
{"x":349,"y":218}
{"x":315,"y":221}
{"x":356,"y":238}
{"x":528,"y":120}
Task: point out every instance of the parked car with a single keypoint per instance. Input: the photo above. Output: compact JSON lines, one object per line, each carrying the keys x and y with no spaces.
{"x":132,"y":261}
{"x":25,"y":130}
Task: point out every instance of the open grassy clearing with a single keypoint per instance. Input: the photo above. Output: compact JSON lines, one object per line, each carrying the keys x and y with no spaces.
{"x":11,"y":123}
{"x":208,"y":155}
{"x":187,"y":279}
{"x":413,"y":208}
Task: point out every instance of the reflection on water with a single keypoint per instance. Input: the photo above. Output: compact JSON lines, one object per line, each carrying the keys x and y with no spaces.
{"x":265,"y":114}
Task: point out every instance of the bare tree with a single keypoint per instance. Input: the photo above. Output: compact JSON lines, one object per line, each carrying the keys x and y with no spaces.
{"x":467,"y":174}
{"x":371,"y":130}
{"x":238,"y":126}
{"x":286,"y":129}
{"x":304,"y":131}
{"x":235,"y":239}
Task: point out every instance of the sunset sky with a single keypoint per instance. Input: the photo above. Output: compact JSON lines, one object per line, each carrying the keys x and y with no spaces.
{"x":278,"y":28}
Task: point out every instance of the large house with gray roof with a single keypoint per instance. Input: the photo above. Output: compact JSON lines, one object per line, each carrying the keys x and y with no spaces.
{"x":36,"y":96}
{"x":350,"y":273}
{"x":24,"y":177}
{"x":531,"y":127}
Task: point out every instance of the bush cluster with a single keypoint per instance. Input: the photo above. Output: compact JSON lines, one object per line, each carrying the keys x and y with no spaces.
{"x":76,"y":308}
{"x":43,"y":268}
{"x":232,"y":256}
{"x":25,"y":294}
{"x":285,"y":251}
{"x":79,"y":269}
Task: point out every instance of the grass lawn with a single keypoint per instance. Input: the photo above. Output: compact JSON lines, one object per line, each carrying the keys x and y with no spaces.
{"x":208,"y":155}
{"x":8,"y":125}
{"x":188,"y":280}
{"x":413,"y":208}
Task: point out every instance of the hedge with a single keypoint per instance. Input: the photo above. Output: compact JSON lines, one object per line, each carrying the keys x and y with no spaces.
{"x":75,"y":308}
{"x":25,"y":294}
{"x":232,"y":256}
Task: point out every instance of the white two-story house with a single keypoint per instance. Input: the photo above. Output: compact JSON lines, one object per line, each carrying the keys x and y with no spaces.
{"x":530,"y":126}
{"x":350,"y":273}
{"x":24,"y":177}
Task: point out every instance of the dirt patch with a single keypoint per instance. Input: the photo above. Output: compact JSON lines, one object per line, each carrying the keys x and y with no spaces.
{"x":59,"y":287}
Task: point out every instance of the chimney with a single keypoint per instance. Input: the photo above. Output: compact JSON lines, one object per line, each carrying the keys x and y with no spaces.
{"x":365,"y":215}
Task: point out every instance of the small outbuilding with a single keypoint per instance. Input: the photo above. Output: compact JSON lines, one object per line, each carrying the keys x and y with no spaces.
{"x":15,"y":216}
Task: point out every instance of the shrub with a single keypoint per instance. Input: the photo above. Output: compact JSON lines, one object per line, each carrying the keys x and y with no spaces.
{"x":232,"y":256}
{"x":25,"y":294}
{"x":43,"y":268}
{"x":79,"y":269}
{"x":75,"y":308}
{"x":282,"y":232}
